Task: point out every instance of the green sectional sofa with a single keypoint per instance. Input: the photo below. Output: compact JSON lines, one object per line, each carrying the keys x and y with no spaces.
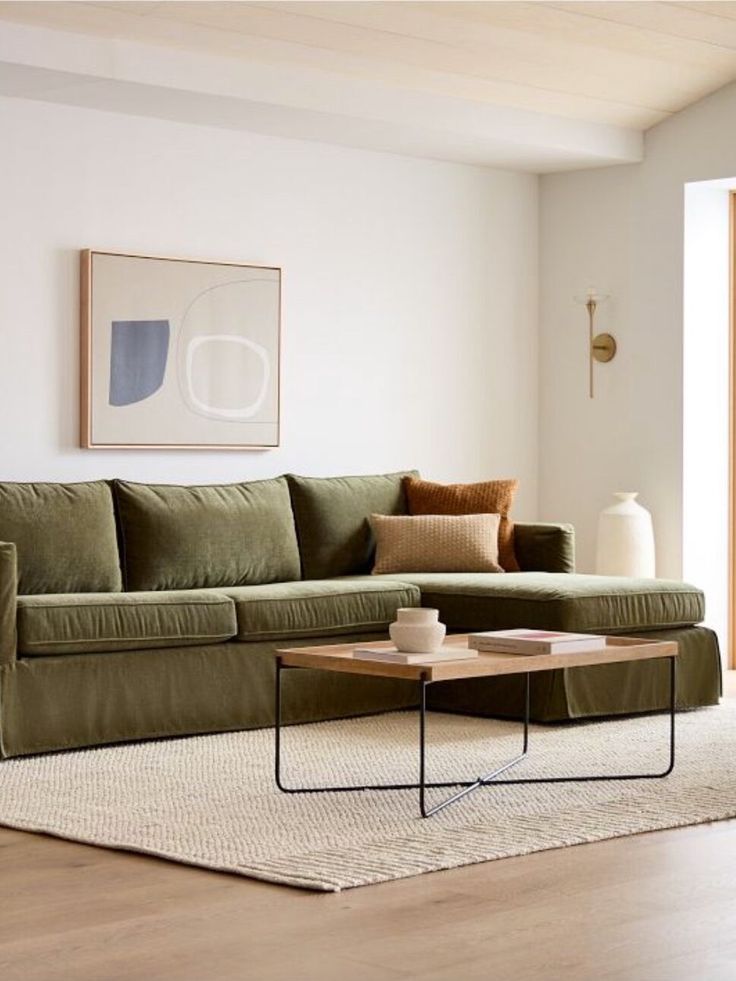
{"x":133,"y":611}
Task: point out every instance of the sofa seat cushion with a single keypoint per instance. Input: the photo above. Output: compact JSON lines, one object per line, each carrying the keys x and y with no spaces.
{"x":95,"y":622}
{"x":557,"y":601}
{"x":318,"y":608}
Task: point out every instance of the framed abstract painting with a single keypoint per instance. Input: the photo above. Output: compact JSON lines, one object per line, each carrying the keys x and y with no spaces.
{"x":179,"y":353}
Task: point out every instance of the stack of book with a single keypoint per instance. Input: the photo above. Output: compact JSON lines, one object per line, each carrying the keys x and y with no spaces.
{"x":395,"y":656}
{"x":522,"y":641}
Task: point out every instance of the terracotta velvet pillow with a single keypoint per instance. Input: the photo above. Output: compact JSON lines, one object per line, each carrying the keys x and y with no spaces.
{"x":489,"y":497}
{"x":435,"y":543}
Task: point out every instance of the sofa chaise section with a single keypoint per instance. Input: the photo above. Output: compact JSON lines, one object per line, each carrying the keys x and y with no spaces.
{"x":655,"y":608}
{"x":555,"y":601}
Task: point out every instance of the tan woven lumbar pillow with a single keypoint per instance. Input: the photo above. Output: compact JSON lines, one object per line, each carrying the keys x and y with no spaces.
{"x":490,"y":496}
{"x":436,"y":543}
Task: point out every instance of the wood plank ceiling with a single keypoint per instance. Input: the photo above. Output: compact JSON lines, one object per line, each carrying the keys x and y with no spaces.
{"x":629,"y":64}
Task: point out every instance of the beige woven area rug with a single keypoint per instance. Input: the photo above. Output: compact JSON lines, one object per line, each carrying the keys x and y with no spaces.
{"x":211,"y":801}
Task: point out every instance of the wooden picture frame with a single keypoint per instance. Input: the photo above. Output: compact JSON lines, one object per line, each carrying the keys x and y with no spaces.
{"x":179,"y":353}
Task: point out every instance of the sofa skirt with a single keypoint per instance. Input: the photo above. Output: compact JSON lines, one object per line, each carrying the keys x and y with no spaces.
{"x":603,"y":690}
{"x":73,"y":701}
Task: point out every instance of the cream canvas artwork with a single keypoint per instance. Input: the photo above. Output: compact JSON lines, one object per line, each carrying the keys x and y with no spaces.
{"x":179,"y":353}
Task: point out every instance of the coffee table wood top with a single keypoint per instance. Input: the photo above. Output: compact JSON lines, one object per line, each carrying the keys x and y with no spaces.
{"x":339,"y":657}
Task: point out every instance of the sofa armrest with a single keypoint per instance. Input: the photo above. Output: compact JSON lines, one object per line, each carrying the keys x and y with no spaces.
{"x":545,"y":547}
{"x":8,"y":604}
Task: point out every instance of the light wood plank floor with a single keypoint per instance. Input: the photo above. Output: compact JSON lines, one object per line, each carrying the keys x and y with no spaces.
{"x":655,"y":907}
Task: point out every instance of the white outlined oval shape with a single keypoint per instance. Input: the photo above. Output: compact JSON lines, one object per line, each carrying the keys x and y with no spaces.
{"x":242,"y":312}
{"x":239,"y":413}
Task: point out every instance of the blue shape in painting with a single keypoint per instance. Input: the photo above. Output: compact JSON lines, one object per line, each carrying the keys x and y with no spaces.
{"x":139,"y":351}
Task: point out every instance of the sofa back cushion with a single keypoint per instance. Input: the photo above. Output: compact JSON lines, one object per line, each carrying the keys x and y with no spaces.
{"x":176,"y":537}
{"x":332,"y":520}
{"x":64,"y":535}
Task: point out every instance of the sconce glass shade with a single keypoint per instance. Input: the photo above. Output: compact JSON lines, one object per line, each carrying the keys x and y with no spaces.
{"x":625,"y":539}
{"x":591,"y":294}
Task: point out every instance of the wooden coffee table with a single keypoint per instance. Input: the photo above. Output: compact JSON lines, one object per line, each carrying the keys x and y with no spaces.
{"x":339,"y":657}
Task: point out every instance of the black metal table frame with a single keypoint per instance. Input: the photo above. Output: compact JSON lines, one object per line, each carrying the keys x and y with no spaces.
{"x":468,"y":786}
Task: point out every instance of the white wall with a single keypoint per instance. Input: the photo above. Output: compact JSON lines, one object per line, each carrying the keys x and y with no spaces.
{"x":705,"y":452}
{"x":410,"y":293}
{"x":621,"y":229}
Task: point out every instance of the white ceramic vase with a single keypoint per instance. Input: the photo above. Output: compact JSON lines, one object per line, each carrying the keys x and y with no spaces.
{"x":417,"y":630}
{"x":625,"y":539}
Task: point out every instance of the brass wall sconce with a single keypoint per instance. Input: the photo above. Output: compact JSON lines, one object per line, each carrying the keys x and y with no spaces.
{"x":601,"y":347}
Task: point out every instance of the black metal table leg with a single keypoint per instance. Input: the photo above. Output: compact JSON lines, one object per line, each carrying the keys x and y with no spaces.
{"x":423,"y":746}
{"x":595,"y":777}
{"x":423,"y":784}
{"x":277,"y":726}
{"x":467,"y":786}
{"x":472,"y":785}
{"x":673,"y":702}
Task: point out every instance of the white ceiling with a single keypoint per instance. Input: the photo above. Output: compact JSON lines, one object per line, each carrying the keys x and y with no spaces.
{"x":541,"y":85}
